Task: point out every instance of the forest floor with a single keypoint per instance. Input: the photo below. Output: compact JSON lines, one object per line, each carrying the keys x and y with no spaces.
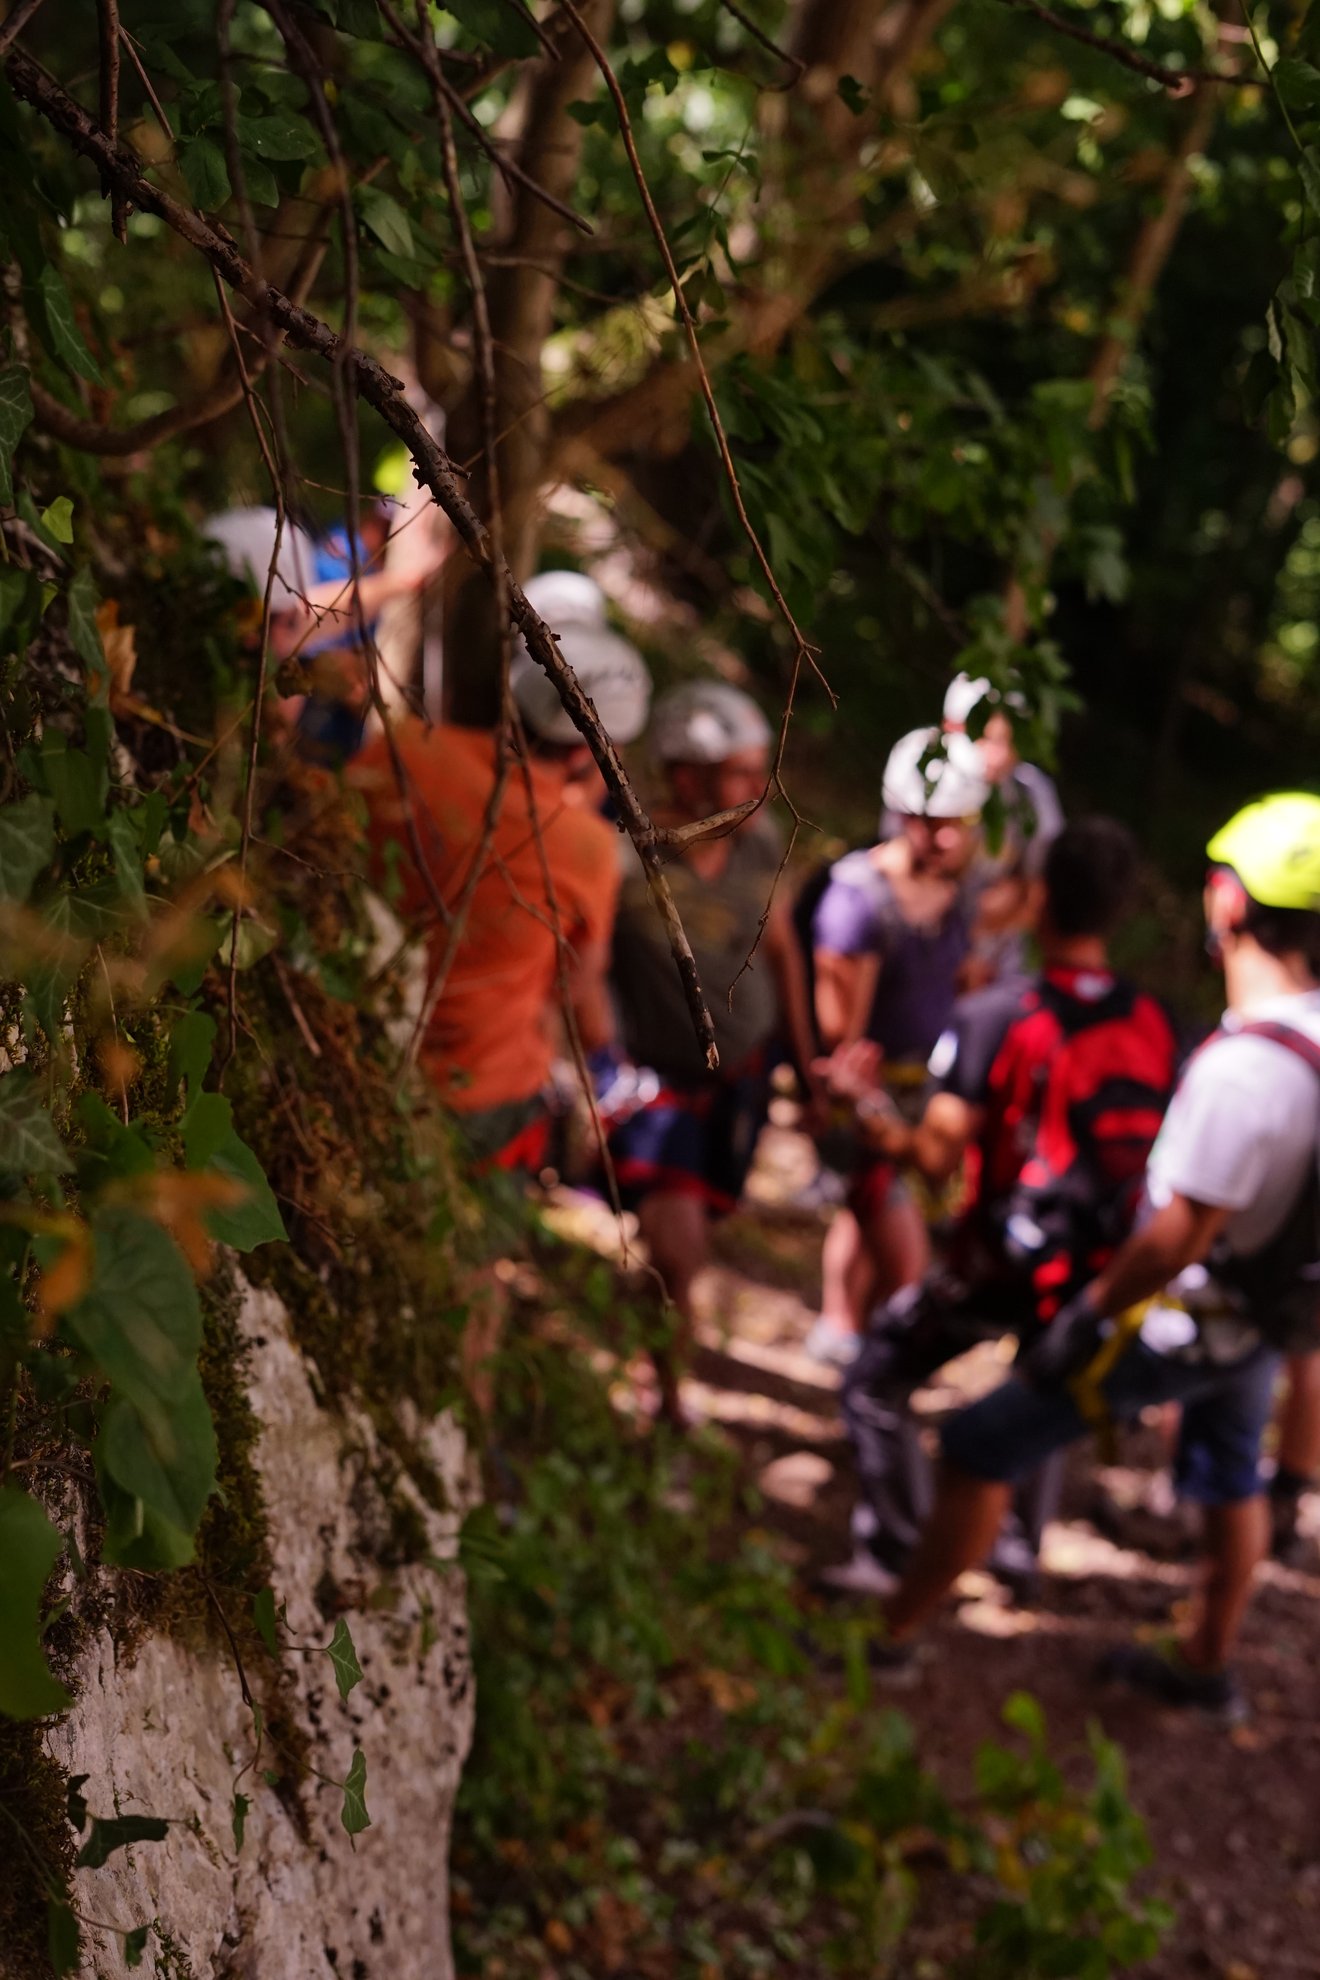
{"x":1234,"y":1816}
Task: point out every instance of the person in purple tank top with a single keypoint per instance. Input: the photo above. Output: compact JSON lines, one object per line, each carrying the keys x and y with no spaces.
{"x":890,"y":932}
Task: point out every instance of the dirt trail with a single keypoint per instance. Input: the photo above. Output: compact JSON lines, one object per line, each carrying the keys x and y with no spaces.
{"x":1234,"y":1817}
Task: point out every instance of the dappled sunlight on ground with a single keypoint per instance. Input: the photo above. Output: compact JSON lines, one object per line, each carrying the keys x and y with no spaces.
{"x":1234,"y":1818}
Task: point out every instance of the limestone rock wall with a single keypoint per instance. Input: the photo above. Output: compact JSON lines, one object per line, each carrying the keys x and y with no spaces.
{"x":165,"y":1730}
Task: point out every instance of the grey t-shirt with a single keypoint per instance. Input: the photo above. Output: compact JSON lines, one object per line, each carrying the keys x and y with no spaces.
{"x":722,"y":918}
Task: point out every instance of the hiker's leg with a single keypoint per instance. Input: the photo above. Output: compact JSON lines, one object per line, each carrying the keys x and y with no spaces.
{"x":960,"y":1533}
{"x":1299,"y":1419}
{"x":847,"y":1274}
{"x":1236,"y":1542}
{"x":1219,"y":1467}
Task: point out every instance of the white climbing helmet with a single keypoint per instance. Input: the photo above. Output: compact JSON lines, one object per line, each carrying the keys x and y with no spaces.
{"x":611,"y":671}
{"x":246,"y":539}
{"x":707,"y":721}
{"x":966,"y":694}
{"x":566,"y":598}
{"x":950,"y":785}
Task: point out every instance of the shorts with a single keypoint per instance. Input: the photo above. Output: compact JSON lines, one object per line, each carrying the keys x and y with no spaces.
{"x":1224,"y":1414}
{"x":514,"y":1136}
{"x":693,"y":1141}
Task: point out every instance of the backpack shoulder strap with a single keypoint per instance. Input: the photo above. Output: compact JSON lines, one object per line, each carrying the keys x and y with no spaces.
{"x":1299,"y":1043}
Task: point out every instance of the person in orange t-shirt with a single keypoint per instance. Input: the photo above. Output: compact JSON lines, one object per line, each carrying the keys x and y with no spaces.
{"x":489,"y":1042}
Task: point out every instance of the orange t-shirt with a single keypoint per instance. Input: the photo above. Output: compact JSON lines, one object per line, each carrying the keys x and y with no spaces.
{"x":489,"y":1040}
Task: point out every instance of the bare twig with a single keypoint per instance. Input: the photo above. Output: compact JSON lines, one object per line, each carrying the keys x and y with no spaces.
{"x":485,"y":355}
{"x":602,"y":61}
{"x":107,"y":18}
{"x":795,"y":63}
{"x":508,"y":168}
{"x":16,"y":23}
{"x":432,"y":466}
{"x":1180,"y":81}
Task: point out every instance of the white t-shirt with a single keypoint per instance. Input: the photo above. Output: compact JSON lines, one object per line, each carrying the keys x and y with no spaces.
{"x":1241,"y":1128}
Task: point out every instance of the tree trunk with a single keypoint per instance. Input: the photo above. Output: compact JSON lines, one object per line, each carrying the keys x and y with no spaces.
{"x":521,"y":294}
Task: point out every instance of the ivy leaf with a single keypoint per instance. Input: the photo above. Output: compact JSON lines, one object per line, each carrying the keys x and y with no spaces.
{"x":57,"y":520}
{"x":135,"y":1944}
{"x":140,"y":1322}
{"x":63,"y":1939}
{"x":128,"y":861}
{"x":210,"y":1142}
{"x":204,"y":172}
{"x":191,"y":1043}
{"x":76,"y":1806}
{"x":164,"y":1455}
{"x":64,"y":340}
{"x":343,"y":1656}
{"x":29,"y":1547}
{"x":28,"y":1141}
{"x":278,"y":137}
{"x":503,"y":27}
{"x":354,"y":1814}
{"x":854,"y":94}
{"x":84,"y":632}
{"x":77,"y":784}
{"x":27,"y":844}
{"x":112,"y":1832}
{"x":1297,"y":82}
{"x":205,"y":1126}
{"x":15,"y":417}
{"x":1309,"y":167}
{"x":385,"y":218}
{"x":241,"y":1807}
{"x":264,"y":1619}
{"x":262,"y":185}
{"x":360,"y":18}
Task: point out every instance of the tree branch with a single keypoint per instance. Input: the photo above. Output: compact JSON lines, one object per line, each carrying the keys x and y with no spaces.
{"x":1180,"y":81}
{"x":432,"y":466}
{"x":16,"y":23}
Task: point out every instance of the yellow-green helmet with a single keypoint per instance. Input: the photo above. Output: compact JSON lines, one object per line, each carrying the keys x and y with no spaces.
{"x":1273,"y":846}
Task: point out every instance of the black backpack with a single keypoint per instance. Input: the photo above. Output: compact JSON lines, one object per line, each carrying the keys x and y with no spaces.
{"x":1280,"y":1284}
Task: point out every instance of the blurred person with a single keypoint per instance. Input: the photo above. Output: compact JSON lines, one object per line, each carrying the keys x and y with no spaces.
{"x":1056,"y":1086}
{"x":682,"y":1154}
{"x":314,"y":616}
{"x":1197,"y":1306}
{"x":890,"y":933}
{"x":1032,"y":818}
{"x":551,"y":870}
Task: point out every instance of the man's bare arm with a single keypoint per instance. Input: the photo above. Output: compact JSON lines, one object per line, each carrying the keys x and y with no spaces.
{"x":1179,"y":1235}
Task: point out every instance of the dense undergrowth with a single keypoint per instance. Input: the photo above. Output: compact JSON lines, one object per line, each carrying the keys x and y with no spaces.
{"x":680,"y":1771}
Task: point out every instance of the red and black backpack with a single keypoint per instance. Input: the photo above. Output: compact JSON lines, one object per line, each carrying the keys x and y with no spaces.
{"x":1076,"y":1094}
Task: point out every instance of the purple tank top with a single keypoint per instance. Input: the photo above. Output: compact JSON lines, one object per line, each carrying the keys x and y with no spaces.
{"x":858,"y":915}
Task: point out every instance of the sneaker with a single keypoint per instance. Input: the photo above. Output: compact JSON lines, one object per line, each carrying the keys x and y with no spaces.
{"x":1169,"y":1681}
{"x":1287,"y":1544}
{"x":862,"y":1575}
{"x":896,"y":1665}
{"x":837,"y":1347}
{"x":1015,"y":1567}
